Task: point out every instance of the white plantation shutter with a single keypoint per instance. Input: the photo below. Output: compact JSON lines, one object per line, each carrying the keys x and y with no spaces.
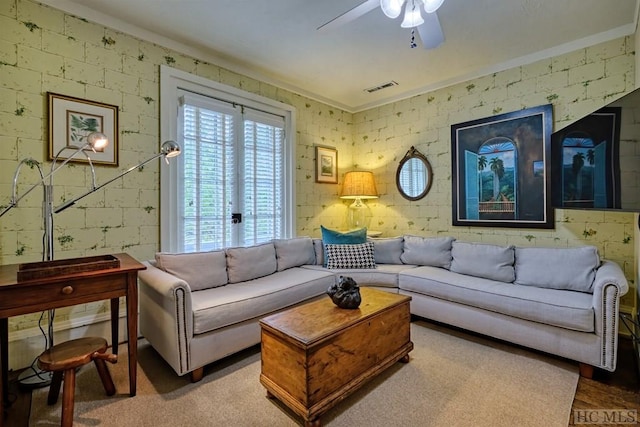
{"x":263,"y":177}
{"x":233,"y":162}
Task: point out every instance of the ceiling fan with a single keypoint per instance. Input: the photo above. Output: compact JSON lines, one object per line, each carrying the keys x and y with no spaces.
{"x":427,"y":23}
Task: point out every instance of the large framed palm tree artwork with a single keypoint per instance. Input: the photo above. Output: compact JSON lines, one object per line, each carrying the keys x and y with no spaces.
{"x":501,"y":168}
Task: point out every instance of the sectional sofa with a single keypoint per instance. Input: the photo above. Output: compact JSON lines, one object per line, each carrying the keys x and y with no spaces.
{"x":197,"y":308}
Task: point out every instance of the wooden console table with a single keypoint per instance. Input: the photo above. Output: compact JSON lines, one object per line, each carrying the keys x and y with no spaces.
{"x":30,"y":296}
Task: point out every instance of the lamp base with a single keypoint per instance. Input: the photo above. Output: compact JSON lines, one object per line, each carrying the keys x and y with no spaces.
{"x":32,"y":377}
{"x":359,"y":215}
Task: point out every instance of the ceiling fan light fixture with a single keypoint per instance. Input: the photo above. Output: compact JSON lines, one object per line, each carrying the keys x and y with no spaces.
{"x":391,"y":8}
{"x":431,"y":6}
{"x":412,"y":15}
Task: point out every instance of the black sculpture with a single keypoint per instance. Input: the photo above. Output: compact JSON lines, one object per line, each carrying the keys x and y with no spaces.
{"x":346,"y":293}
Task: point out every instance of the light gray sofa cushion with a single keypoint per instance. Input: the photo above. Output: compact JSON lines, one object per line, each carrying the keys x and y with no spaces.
{"x":432,"y":251}
{"x":294,"y":252}
{"x":235,"y":303}
{"x":318,"y":248}
{"x":483,"y":260}
{"x":557,"y":268}
{"x":383,"y":276}
{"x":201,"y":270}
{"x":565,"y":309}
{"x":388,"y":250}
{"x":250,"y":263}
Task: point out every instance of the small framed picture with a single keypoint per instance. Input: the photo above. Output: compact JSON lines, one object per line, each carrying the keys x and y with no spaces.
{"x":326,"y":164}
{"x":72,"y":120}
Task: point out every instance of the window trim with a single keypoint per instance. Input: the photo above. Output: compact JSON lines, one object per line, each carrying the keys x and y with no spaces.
{"x":171,"y":80}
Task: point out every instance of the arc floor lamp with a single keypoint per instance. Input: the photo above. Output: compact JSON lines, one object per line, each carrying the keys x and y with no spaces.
{"x":34,"y":377}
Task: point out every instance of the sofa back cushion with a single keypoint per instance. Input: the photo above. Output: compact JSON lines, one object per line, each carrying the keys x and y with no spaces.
{"x":557,"y":268}
{"x":483,"y":260}
{"x":294,"y":252}
{"x":201,"y":270}
{"x":431,"y":251}
{"x":318,"y":248}
{"x":252,"y":262}
{"x":387,"y":250}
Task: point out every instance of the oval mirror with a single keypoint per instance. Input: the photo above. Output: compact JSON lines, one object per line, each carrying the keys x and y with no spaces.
{"x":413,"y":177}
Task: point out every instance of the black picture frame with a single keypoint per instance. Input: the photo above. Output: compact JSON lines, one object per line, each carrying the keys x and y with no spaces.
{"x":602,"y":183}
{"x":494,"y":181}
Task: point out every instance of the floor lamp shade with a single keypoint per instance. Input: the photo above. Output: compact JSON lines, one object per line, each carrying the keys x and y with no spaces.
{"x":358,"y":185}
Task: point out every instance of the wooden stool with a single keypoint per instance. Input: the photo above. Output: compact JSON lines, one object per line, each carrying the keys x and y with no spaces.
{"x":65,"y":358}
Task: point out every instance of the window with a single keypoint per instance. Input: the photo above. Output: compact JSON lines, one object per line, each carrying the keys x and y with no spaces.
{"x":232,"y":185}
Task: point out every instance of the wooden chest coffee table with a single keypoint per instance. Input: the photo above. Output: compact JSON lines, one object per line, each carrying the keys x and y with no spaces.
{"x":316,"y":354}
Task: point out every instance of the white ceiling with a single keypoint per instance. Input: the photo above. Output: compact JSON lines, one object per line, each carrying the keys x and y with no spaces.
{"x":278,"y":42}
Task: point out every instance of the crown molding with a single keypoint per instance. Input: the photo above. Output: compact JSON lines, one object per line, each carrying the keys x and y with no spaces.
{"x":224,"y":62}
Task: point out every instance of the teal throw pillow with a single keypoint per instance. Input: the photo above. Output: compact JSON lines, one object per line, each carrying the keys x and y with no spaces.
{"x":349,"y":238}
{"x":332,"y":237}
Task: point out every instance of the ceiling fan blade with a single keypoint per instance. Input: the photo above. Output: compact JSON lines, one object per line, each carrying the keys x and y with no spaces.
{"x":350,"y":15}
{"x":431,"y":32}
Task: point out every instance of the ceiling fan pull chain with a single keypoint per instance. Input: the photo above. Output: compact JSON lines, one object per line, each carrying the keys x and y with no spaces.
{"x":413,"y":38}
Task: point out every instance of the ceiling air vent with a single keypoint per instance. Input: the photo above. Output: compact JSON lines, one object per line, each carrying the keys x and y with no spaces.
{"x":381,"y":86}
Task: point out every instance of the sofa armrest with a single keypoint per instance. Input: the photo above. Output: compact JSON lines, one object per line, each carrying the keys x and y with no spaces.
{"x":609,"y":286}
{"x":166,"y":315}
{"x":610,"y":273}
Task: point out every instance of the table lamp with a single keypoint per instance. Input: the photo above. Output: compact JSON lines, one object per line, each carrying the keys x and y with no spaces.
{"x":358,"y":185}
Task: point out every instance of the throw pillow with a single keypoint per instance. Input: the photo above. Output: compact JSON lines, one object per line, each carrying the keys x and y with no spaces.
{"x":294,"y":252}
{"x":337,"y":238}
{"x":350,"y":256}
{"x":557,"y":268}
{"x":483,"y":260}
{"x":387,"y":250}
{"x":201,"y":270}
{"x":349,"y":238}
{"x":431,"y":251}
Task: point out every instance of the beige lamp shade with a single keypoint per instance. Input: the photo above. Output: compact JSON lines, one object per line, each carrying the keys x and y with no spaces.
{"x":359,"y":185}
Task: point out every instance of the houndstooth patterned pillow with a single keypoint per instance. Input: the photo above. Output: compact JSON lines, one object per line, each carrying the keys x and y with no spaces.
{"x":350,"y":256}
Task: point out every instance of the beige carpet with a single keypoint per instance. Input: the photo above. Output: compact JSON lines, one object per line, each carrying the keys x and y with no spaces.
{"x":453,"y":379}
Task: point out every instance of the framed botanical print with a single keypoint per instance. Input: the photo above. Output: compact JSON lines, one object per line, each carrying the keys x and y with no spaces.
{"x":326,"y":164}
{"x":72,"y":120}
